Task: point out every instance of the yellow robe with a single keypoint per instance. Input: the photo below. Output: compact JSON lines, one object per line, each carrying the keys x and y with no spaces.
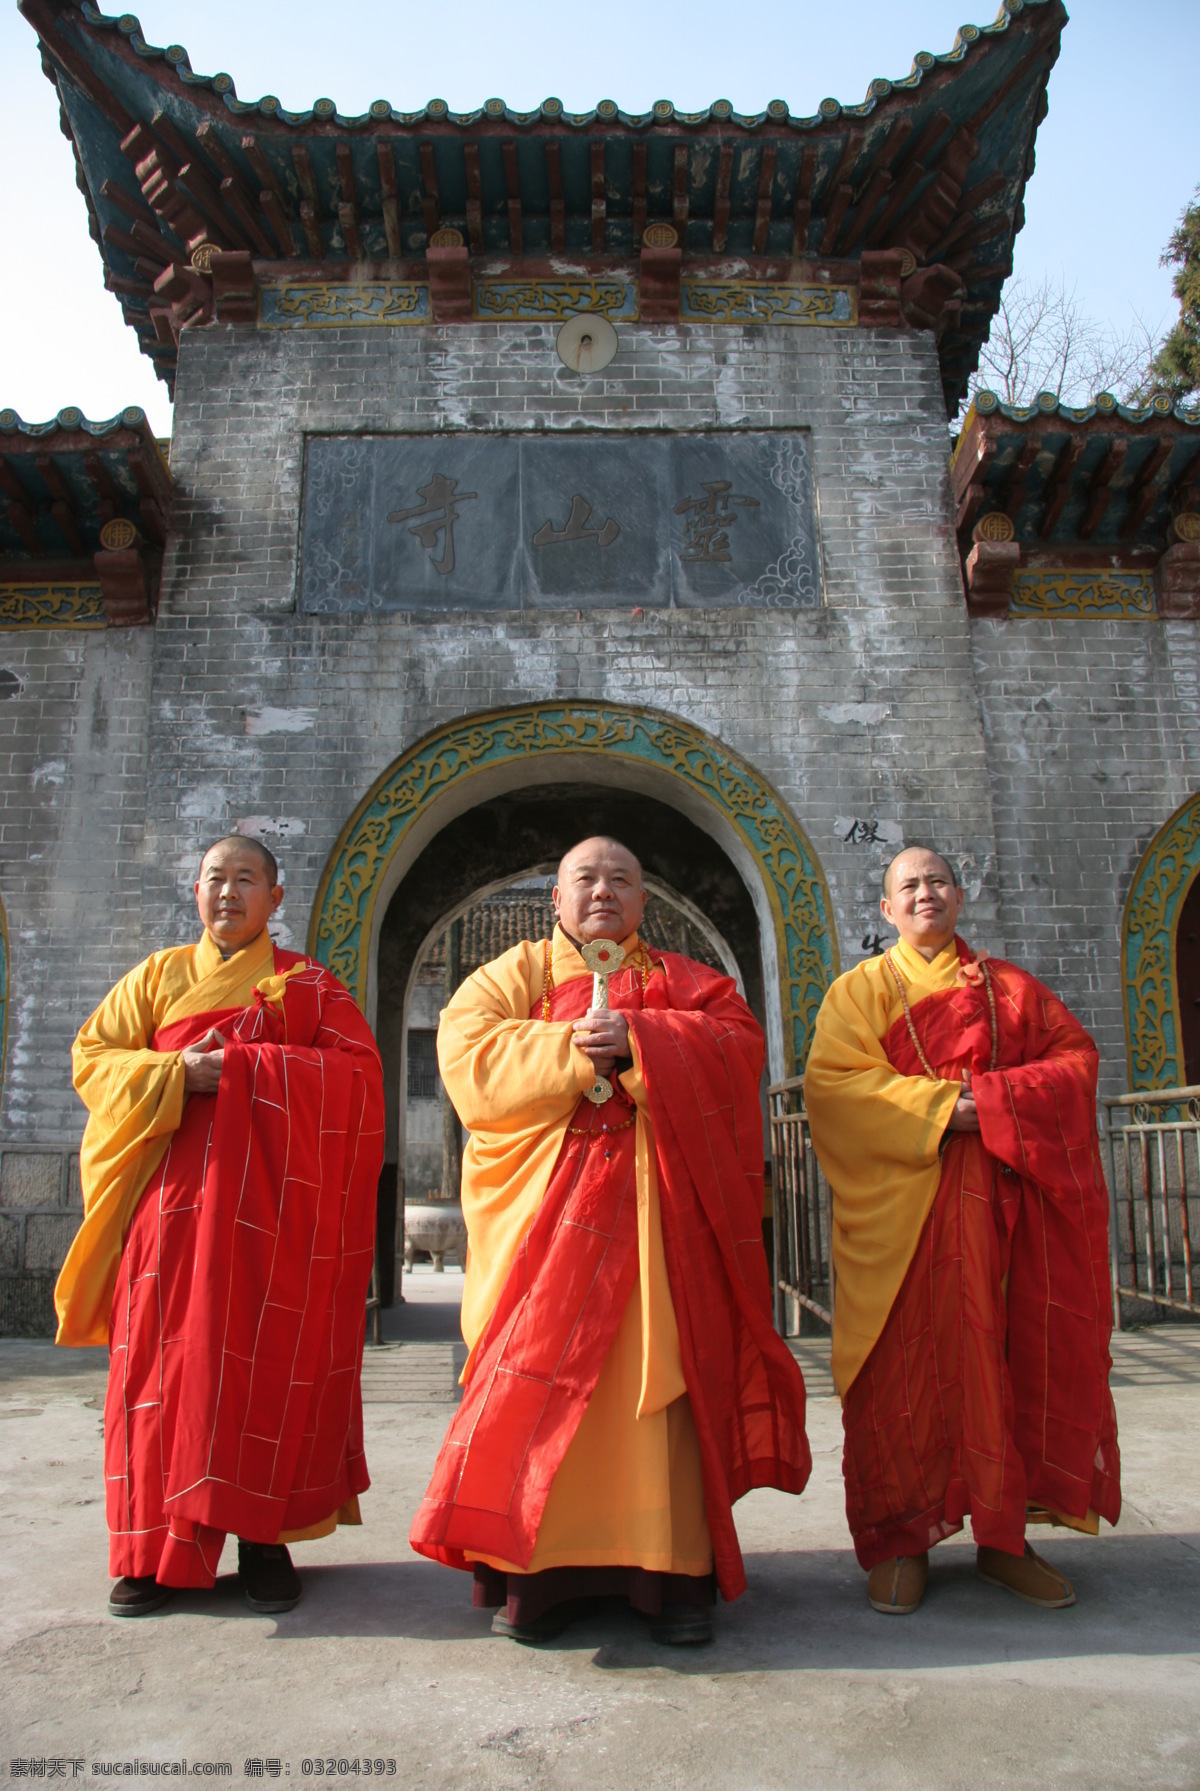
{"x":877,"y":1134}
{"x":629,"y":1491}
{"x":134,"y":1098}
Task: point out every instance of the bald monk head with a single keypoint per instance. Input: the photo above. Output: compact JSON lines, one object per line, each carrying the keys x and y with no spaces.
{"x":237,"y":891}
{"x":598,"y":893}
{"x":922,"y":899}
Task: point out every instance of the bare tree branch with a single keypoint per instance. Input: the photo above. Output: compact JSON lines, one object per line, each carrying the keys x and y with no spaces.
{"x":1042,"y":340}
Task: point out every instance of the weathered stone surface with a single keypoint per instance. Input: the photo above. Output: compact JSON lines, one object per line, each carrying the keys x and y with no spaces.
{"x":47,"y":1240}
{"x":30,"y":1179}
{"x":803,"y":1685}
{"x":11,"y":1226}
{"x":26,"y":1305}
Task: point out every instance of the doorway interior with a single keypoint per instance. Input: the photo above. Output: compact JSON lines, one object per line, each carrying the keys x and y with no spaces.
{"x":490,"y":869}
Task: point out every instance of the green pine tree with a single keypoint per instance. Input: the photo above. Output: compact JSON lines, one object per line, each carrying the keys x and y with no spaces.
{"x":1176,"y":367}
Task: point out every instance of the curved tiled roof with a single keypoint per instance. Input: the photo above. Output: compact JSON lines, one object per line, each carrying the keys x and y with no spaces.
{"x":71,"y":419}
{"x":551,"y":111}
{"x":933,"y":167}
{"x":1048,"y":404}
{"x":1104,"y":477}
{"x":65,"y":478}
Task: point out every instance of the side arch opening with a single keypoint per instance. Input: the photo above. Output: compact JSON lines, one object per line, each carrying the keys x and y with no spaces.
{"x":1160,"y":966}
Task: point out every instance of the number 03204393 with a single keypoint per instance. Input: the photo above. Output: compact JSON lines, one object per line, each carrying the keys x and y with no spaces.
{"x":329,"y":1767}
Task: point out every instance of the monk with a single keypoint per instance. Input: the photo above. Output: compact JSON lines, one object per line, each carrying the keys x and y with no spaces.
{"x":952,"y":1101}
{"x":624,"y":1384}
{"x":229,"y":1170}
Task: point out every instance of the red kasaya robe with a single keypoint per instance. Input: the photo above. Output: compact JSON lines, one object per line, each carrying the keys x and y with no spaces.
{"x":987,"y":1393}
{"x":237,"y":1320}
{"x":537,"y":1362}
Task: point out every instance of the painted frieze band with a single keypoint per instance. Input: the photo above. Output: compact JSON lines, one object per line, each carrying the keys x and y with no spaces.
{"x":1083,"y":591}
{"x":51,"y":606}
{"x":553,"y":301}
{"x":740,"y":301}
{"x":328,"y":304}
{"x":323,"y":304}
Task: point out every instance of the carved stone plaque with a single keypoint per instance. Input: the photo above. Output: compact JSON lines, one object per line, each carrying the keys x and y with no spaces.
{"x":500,"y":522}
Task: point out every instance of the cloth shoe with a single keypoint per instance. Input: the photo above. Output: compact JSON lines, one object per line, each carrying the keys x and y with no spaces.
{"x":269,"y":1581}
{"x":1027,"y":1575}
{"x":681,"y":1626}
{"x":897,"y":1586}
{"x":543,"y":1628}
{"x":137,"y":1596}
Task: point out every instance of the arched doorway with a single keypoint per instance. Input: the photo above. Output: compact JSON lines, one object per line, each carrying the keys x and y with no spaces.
{"x":429,"y":1153}
{"x":523,"y":835}
{"x":500,"y":796}
{"x":459,"y":767}
{"x":4,"y":972}
{"x":1160,"y":956}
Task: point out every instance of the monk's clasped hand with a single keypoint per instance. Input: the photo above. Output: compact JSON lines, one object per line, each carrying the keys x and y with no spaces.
{"x":202,"y":1064}
{"x":604,"y":1035}
{"x":965,"y":1115}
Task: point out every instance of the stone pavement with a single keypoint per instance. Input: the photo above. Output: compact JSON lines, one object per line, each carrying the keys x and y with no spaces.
{"x":385,"y":1659}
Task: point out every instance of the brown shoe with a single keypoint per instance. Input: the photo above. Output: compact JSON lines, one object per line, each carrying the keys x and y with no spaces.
{"x":1027,"y":1575}
{"x":137,"y":1596}
{"x":896,"y":1587}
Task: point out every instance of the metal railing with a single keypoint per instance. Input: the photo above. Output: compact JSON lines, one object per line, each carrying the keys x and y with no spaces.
{"x":801,"y":1209}
{"x":1153,"y":1140}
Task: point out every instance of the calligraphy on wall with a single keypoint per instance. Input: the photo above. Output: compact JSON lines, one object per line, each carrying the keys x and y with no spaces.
{"x":496,"y":522}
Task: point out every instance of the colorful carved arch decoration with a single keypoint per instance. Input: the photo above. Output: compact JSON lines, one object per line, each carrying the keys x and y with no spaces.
{"x":4,"y":965}
{"x":343,"y":914}
{"x":1153,"y":1027}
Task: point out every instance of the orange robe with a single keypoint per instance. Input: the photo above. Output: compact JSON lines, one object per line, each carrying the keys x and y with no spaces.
{"x":972,"y":1312}
{"x":594,"y":1432}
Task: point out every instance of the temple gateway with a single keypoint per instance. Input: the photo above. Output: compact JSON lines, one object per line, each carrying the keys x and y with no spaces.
{"x":535,"y":474}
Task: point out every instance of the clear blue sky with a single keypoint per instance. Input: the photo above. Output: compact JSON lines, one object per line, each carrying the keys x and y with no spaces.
{"x":1118,"y":157}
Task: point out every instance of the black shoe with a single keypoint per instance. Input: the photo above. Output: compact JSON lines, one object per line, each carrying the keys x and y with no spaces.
{"x":681,"y":1626}
{"x":269,"y":1581}
{"x":545,"y":1628}
{"x":137,"y":1597}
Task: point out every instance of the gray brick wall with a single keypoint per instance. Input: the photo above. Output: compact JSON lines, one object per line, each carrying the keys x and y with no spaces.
{"x":73,"y":752}
{"x":1093,"y":739}
{"x":866,"y":710}
{"x":1044,"y":753}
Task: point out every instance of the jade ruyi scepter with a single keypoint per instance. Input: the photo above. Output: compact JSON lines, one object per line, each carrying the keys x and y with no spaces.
{"x":603,"y":957}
